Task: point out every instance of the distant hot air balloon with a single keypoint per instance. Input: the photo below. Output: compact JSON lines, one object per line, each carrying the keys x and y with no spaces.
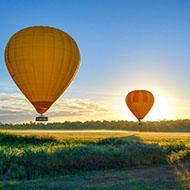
{"x":140,"y":102}
{"x":42,"y":61}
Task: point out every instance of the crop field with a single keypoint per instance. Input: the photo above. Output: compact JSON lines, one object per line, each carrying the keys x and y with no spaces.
{"x":94,"y":160}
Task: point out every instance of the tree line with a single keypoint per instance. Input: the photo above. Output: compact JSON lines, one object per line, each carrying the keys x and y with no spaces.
{"x":154,"y":126}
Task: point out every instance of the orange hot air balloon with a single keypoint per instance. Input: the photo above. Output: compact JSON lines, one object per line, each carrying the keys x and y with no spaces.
{"x":42,"y":61}
{"x":140,"y":102}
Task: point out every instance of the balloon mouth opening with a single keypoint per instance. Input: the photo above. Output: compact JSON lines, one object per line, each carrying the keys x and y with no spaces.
{"x":41,"y":106}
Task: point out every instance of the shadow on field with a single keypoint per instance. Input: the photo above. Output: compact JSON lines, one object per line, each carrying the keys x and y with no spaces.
{"x":53,"y":157}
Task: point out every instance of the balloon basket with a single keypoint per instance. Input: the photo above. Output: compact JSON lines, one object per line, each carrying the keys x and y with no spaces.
{"x":42,"y":118}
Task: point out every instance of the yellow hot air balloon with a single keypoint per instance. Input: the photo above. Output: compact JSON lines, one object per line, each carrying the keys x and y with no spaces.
{"x":140,"y":102}
{"x":42,"y":61}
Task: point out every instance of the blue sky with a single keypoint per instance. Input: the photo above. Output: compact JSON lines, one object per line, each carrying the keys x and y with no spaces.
{"x":124,"y":45}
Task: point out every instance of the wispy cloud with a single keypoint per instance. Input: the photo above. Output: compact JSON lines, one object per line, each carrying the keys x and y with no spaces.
{"x":16,"y":108}
{"x":76,"y":107}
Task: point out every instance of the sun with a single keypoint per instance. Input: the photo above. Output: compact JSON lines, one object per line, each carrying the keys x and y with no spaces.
{"x":161,"y":109}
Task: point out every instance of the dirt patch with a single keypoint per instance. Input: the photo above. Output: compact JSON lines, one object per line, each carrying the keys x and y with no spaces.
{"x":152,"y":174}
{"x":163,"y":173}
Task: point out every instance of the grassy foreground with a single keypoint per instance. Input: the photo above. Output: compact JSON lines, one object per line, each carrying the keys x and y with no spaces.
{"x":94,"y":160}
{"x":146,"y":178}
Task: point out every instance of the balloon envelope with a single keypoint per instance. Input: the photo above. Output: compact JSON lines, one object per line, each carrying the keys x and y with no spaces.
{"x":42,"y":61}
{"x":140,"y":102}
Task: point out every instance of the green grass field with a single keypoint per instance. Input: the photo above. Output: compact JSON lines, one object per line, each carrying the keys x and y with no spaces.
{"x":94,"y":160}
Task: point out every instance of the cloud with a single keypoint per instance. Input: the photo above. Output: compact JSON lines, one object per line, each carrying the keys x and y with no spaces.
{"x":76,"y":107}
{"x":16,"y":108}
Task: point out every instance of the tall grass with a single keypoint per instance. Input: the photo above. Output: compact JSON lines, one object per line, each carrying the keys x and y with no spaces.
{"x":31,"y":157}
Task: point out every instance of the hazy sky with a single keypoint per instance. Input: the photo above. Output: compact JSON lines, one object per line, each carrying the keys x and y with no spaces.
{"x":124,"y":45}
